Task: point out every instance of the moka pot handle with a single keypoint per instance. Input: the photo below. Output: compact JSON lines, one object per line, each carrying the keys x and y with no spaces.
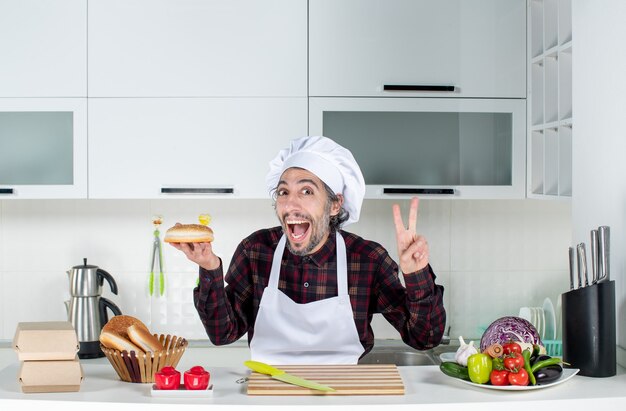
{"x":103,"y":275}
{"x":104,"y":303}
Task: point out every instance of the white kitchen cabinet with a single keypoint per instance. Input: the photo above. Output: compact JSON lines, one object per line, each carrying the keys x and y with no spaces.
{"x":43,"y":148}
{"x":357,"y":47}
{"x":43,"y":48}
{"x":197,"y":48}
{"x":182,"y":147}
{"x":431,"y":147}
{"x":550,"y":99}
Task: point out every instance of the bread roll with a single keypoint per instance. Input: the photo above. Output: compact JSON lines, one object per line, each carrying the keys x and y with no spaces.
{"x":189,"y":233}
{"x":120,"y":323}
{"x":116,"y":341}
{"x":143,"y":339}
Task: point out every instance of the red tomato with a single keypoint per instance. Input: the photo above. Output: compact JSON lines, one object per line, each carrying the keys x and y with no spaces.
{"x":499,"y":377}
{"x":513,"y":361}
{"x":510,"y":347}
{"x":518,"y":378}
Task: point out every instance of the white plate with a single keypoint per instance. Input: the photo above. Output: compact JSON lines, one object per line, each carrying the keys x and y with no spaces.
{"x":567,"y":374}
{"x":525,"y":313}
{"x":550,"y":330}
{"x":447,"y":356}
{"x":539,"y":320}
{"x":535,"y":319}
{"x":181,"y":392}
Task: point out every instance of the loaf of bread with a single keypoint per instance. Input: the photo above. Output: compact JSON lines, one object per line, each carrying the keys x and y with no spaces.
{"x":189,"y":233}
{"x":115,"y":341}
{"x":127,"y":333}
{"x":121,"y":323}
{"x":142,"y":337}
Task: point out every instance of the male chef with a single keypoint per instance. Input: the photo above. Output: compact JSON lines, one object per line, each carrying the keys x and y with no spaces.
{"x":306,"y":290}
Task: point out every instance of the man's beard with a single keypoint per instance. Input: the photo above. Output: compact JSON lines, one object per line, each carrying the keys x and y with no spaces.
{"x":318,"y":232}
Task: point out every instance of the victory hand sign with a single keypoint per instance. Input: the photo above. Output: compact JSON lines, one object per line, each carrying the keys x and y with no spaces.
{"x":412,"y":248}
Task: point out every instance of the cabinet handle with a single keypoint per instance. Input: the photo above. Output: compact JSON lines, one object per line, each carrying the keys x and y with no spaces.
{"x":6,"y":191}
{"x":417,"y":87}
{"x":444,"y":191}
{"x":199,"y":190}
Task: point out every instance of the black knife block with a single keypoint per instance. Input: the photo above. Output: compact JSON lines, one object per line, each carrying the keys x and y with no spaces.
{"x":589,"y":339}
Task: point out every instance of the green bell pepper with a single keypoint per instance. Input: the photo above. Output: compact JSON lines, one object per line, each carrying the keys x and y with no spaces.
{"x":479,"y":367}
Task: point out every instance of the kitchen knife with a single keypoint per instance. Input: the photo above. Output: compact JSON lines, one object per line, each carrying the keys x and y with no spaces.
{"x":582,"y":265}
{"x":283,"y":376}
{"x":604,"y":253}
{"x":572,"y":263}
{"x":594,"y":256}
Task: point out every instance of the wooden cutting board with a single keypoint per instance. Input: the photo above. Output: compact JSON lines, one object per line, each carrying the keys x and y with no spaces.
{"x":375,"y":379}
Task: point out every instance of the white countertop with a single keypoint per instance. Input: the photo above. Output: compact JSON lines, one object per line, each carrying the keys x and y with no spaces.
{"x":425,"y":387}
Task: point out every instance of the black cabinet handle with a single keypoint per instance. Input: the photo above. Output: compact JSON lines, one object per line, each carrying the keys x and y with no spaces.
{"x":443,"y":191}
{"x":199,"y":190}
{"x":417,"y":87}
{"x":6,"y":191}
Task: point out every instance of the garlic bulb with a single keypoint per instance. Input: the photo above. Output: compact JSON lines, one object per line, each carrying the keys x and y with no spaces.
{"x":464,"y":351}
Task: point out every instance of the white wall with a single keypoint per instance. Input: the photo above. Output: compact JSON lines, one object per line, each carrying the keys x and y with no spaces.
{"x":599,"y":135}
{"x":492,"y":256}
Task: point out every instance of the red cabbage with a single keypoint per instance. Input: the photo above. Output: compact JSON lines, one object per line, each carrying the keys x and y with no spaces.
{"x":505,"y":329}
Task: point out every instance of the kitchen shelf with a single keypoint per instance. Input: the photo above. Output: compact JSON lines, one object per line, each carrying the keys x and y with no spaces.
{"x":565,"y":83}
{"x":566,"y":122}
{"x":565,"y":21}
{"x":551,"y":89}
{"x":550,"y":122}
{"x":565,"y":161}
{"x":551,"y":161}
{"x":537,"y":90}
{"x":537,"y":160}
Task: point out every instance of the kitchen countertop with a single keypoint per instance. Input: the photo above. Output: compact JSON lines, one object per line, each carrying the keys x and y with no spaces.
{"x":425,"y":387}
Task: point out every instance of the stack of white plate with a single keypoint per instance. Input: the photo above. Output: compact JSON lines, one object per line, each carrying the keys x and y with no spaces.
{"x":542,"y":318}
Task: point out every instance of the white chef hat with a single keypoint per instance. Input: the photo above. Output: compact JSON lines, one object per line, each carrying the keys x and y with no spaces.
{"x":330,"y":162}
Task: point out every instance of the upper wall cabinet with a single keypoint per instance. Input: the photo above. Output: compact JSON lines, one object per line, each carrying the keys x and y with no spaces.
{"x":43,"y":148}
{"x":197,"y":48}
{"x":181,"y":147}
{"x":443,"y":48}
{"x":433,"y":147}
{"x":43,"y":48}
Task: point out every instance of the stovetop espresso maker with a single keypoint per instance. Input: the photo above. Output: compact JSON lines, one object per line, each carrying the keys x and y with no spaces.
{"x":86,"y":309}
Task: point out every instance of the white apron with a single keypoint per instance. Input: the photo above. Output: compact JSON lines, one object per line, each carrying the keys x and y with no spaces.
{"x":319,"y":332}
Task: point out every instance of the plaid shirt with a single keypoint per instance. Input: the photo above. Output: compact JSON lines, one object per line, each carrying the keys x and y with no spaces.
{"x":228,"y":312}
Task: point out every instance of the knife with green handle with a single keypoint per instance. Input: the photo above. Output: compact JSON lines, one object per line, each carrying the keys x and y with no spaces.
{"x":284,"y":377}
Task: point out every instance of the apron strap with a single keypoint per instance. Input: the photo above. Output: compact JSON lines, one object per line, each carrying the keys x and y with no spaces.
{"x":276,"y":263}
{"x":342,"y":265}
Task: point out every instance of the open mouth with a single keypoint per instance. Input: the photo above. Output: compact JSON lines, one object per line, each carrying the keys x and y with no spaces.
{"x":298,"y":229}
